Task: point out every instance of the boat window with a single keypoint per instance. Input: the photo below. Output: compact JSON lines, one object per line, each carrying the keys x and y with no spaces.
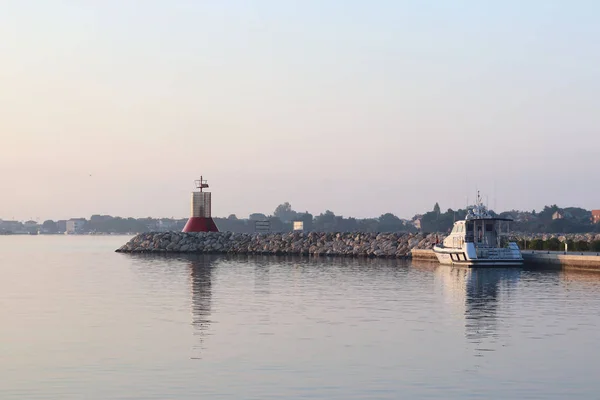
{"x":469,"y":227}
{"x":489,"y":227}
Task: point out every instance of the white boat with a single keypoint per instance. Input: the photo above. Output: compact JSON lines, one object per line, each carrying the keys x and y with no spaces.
{"x":480,"y":240}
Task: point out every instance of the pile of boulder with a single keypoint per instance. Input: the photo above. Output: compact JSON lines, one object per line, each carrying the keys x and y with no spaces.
{"x":388,"y":245}
{"x":355,"y":244}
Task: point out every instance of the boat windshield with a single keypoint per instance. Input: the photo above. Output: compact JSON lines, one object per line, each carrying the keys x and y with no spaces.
{"x":469,"y":232}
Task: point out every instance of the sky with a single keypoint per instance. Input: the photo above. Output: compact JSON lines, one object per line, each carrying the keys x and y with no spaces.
{"x":362,"y":108}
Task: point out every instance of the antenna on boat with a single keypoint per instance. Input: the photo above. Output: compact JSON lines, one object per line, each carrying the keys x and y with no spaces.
{"x":495,"y":195}
{"x":467,"y":190}
{"x":467,"y":207}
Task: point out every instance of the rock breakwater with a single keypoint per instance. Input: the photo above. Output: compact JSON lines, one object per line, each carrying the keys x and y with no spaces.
{"x":388,"y":245}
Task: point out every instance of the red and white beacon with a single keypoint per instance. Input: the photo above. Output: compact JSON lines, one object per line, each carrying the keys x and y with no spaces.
{"x":200,"y":218}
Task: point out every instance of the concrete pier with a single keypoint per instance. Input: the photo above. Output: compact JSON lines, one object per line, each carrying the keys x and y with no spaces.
{"x":583,"y":260}
{"x":541,"y":258}
{"x":422,"y":254}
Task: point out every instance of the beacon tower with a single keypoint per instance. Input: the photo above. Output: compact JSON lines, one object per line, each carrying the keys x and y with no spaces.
{"x":200,"y":218}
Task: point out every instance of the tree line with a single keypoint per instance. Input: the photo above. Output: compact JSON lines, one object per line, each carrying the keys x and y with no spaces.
{"x":281,"y":220}
{"x":552,"y":219}
{"x":283,"y":217}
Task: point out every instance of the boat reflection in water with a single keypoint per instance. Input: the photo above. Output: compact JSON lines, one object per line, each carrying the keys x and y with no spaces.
{"x":479,"y":294}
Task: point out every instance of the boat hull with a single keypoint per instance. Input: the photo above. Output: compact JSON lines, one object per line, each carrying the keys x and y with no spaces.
{"x":460,"y":257}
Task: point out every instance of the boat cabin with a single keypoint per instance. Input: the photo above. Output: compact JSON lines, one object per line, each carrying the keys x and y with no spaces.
{"x":483,"y":232}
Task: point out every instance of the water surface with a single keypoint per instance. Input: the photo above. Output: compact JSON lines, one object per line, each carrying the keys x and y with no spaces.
{"x":80,"y":321}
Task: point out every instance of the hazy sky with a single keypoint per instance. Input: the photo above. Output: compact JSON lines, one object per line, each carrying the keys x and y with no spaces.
{"x":361,"y":107}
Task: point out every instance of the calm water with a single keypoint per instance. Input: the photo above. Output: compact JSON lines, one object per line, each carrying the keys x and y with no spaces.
{"x":79,"y":321}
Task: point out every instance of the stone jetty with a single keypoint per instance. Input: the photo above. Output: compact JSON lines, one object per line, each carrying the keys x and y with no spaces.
{"x":357,"y":244}
{"x":384,"y":245}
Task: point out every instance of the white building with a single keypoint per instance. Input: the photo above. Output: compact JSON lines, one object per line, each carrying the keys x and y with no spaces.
{"x":417,"y":223}
{"x":75,"y":226}
{"x":165,"y":224}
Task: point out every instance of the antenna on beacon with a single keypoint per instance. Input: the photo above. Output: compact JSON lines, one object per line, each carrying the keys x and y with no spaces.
{"x":201,"y":183}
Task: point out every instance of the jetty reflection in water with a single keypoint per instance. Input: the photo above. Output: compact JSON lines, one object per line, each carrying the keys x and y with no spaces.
{"x":478,"y":294}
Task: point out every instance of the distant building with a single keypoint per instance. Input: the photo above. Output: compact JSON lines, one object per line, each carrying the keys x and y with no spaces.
{"x":262,"y":226}
{"x":562,"y":214}
{"x":151,"y":224}
{"x":75,"y":225}
{"x":595,"y":216}
{"x":30,"y":224}
{"x":165,"y":224}
{"x":417,"y":221}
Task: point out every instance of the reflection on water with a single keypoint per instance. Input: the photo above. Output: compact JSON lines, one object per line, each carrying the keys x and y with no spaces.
{"x":201,"y":281}
{"x":261,"y":278}
{"x":580,"y":276}
{"x":94,"y":324}
{"x":478,"y":293}
{"x":484,"y":287}
{"x":165,"y":273}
